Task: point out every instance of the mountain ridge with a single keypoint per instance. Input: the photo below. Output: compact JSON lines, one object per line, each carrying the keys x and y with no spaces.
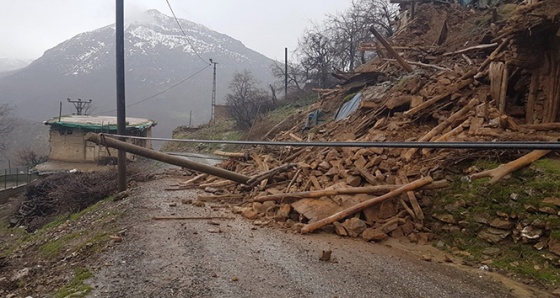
{"x":157,"y":56}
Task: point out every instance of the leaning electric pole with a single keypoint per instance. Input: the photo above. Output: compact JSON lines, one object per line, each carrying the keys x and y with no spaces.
{"x":121,"y":106}
{"x":214,"y":94}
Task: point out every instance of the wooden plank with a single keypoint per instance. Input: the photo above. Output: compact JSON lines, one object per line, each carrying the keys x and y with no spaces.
{"x":192,"y":218}
{"x":315,"y":210}
{"x":229,"y":154}
{"x":375,"y":190}
{"x":458,"y":86}
{"x":438,"y":129}
{"x":531,"y":99}
{"x":503,"y":170}
{"x":391,"y":51}
{"x":412,"y":198}
{"x":363,"y":205}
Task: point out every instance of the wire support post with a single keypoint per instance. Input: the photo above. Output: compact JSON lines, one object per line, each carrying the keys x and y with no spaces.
{"x":121,"y":104}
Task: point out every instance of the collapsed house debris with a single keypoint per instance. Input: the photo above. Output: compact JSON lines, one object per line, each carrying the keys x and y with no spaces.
{"x":448,"y":74}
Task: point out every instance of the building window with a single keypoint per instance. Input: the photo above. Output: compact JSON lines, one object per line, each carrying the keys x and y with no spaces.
{"x":65,"y":131}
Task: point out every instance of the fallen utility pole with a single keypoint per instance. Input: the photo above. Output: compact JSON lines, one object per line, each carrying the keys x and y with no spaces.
{"x":104,"y":140}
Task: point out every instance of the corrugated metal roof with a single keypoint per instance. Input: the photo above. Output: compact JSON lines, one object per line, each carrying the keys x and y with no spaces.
{"x":98,"y":122}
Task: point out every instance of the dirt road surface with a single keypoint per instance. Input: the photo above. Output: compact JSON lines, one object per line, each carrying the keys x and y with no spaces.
{"x":235,"y":258}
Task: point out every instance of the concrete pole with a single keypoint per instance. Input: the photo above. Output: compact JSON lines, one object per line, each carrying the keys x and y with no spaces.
{"x":121,"y":106}
{"x":170,"y":159}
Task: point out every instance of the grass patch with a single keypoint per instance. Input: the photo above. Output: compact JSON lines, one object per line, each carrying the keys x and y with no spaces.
{"x":468,"y":202}
{"x":93,"y":244}
{"x":76,"y":287}
{"x":226,"y":130}
{"x":52,"y":249}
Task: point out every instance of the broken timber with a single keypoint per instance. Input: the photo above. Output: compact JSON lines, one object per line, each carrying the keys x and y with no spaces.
{"x":174,"y":160}
{"x":391,"y":51}
{"x":378,"y":189}
{"x":503,"y":170}
{"x":361,"y":206}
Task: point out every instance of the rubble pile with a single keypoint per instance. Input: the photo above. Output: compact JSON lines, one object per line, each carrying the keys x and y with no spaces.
{"x":490,"y":75}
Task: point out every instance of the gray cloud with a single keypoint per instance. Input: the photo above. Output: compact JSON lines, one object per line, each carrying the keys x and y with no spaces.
{"x":29,"y":27}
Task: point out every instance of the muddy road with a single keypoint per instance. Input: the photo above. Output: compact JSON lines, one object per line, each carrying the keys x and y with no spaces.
{"x":235,"y":258}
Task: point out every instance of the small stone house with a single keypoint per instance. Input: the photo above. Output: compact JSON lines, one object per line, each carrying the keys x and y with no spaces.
{"x":66,"y":136}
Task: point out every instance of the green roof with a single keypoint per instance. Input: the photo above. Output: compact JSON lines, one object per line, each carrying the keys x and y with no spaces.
{"x":107,"y":123}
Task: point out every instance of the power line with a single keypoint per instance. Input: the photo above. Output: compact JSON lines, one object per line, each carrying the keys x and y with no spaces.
{"x":165,"y":90}
{"x":180,"y":27}
{"x":433,"y":145}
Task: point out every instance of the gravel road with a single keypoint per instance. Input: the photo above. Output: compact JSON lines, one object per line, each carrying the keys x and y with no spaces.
{"x":234,"y":258}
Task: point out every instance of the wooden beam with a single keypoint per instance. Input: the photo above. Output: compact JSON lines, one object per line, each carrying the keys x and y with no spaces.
{"x":361,"y":206}
{"x":542,"y":126}
{"x":503,"y":170}
{"x":458,"y":86}
{"x":478,"y":47}
{"x":192,"y":218}
{"x":421,"y":64}
{"x":391,"y":51}
{"x":229,"y":154}
{"x":532,"y":98}
{"x":377,"y":189}
{"x":462,"y":113}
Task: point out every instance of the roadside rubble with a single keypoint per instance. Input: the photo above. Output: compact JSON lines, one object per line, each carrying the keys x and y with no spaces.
{"x":468,"y":76}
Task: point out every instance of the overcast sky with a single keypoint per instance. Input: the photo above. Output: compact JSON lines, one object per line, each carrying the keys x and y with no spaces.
{"x":29,"y":27}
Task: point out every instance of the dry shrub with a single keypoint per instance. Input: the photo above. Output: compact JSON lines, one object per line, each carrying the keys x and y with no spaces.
{"x":63,"y":194}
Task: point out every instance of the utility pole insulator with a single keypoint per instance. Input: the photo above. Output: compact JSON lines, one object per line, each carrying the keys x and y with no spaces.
{"x":80,"y":105}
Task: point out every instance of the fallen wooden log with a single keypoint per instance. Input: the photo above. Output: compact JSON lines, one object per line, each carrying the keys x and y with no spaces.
{"x":505,"y":169}
{"x":478,"y":47}
{"x":268,"y":174}
{"x":230,"y":154}
{"x":477,"y":72}
{"x":218,"y":184}
{"x":542,"y":126}
{"x":193,"y":180}
{"x":391,"y":51}
{"x":221,"y":197}
{"x":378,"y":189}
{"x":419,"y":214}
{"x":446,"y":136}
{"x":293,"y":180}
{"x":458,"y":86}
{"x":438,"y":129}
{"x":192,"y":218}
{"x":421,"y":64}
{"x":361,"y":206}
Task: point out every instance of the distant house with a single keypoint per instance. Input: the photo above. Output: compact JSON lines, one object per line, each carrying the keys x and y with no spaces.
{"x":66,"y":137}
{"x":221,"y":112}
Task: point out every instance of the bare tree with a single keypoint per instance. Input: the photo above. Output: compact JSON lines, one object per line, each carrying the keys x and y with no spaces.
{"x":379,"y":13}
{"x":245,"y":100}
{"x":318,"y":53}
{"x":334,"y":45}
{"x":7,"y":122}
{"x":29,"y":158}
{"x":296,"y":75}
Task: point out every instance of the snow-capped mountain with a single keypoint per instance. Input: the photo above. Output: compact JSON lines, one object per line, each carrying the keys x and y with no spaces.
{"x":157,"y":57}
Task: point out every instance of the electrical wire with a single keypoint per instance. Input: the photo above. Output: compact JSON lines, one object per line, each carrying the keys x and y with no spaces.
{"x":165,"y":90}
{"x":431,"y":145}
{"x":181,"y":27}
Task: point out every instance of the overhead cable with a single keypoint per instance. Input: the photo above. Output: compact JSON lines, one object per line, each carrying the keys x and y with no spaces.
{"x":432,"y":145}
{"x":181,"y":27}
{"x":164,"y":90}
